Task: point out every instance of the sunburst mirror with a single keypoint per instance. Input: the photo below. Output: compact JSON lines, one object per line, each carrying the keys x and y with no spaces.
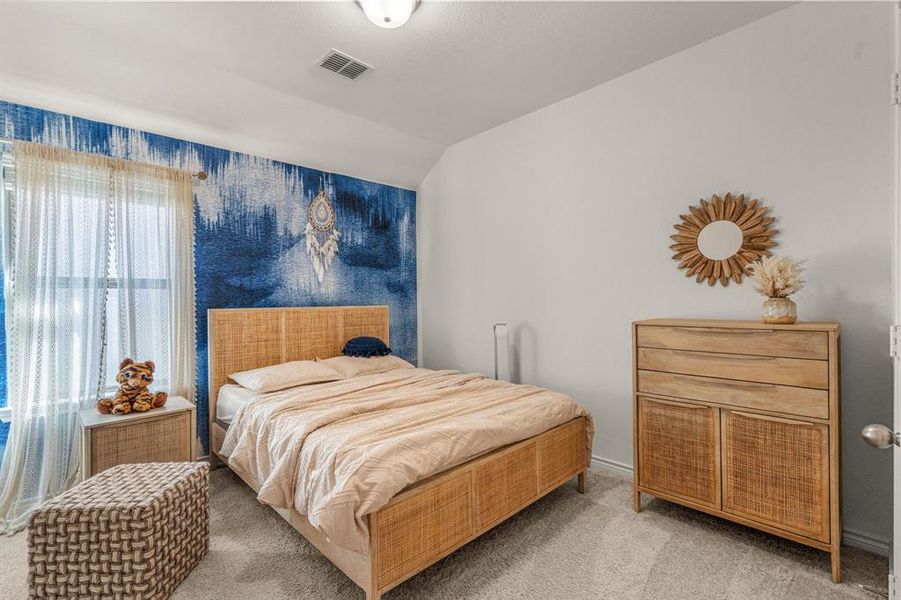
{"x":719,"y":238}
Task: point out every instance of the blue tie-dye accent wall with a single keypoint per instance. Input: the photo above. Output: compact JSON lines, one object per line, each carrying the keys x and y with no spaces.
{"x":250,"y":216}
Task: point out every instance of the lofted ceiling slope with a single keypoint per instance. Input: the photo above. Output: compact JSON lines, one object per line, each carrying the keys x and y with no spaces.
{"x":243,"y":76}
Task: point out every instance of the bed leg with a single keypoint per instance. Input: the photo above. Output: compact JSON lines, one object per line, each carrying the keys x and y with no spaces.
{"x":583,"y":482}
{"x":373,"y":592}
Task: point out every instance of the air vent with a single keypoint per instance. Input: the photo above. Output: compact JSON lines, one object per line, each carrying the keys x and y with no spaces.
{"x":344,"y":64}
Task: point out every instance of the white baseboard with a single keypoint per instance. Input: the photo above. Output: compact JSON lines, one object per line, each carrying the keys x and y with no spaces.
{"x":855,"y":539}
{"x":611,"y":465}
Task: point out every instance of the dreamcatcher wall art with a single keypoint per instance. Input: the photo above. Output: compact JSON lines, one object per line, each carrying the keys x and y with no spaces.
{"x":322,"y":236}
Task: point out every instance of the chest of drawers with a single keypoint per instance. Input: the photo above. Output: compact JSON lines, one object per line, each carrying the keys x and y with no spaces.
{"x":740,"y":419}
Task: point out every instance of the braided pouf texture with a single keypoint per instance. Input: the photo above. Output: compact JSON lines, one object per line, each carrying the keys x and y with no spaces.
{"x":130,"y":532}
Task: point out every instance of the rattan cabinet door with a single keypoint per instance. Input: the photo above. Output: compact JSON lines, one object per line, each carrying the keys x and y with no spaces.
{"x":679,"y":450}
{"x":776,"y":471}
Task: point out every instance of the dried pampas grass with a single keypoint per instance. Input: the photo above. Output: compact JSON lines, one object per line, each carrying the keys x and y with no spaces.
{"x":776,"y":276}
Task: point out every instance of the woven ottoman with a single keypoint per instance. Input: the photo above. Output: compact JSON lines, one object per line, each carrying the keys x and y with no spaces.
{"x":132,"y":531}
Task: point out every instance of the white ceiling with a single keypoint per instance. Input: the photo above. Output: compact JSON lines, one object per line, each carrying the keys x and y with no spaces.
{"x":243,"y":75}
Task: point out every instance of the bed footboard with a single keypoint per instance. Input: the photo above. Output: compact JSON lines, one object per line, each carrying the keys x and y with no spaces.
{"x":425,"y":523}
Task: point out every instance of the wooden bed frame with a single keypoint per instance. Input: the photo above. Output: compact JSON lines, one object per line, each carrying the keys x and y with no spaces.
{"x":428,"y":520}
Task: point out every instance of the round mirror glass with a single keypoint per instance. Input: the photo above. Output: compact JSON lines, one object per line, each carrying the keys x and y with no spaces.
{"x":719,"y":240}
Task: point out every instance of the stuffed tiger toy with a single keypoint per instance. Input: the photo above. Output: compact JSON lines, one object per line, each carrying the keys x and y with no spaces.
{"x":133,"y":395}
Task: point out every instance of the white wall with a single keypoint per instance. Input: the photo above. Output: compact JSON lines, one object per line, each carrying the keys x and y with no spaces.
{"x":558,"y":222}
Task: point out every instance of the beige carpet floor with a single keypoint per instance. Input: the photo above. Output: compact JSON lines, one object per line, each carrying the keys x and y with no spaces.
{"x":566,"y":546}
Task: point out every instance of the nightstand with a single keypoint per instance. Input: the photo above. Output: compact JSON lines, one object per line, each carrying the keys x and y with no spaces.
{"x":163,"y":434}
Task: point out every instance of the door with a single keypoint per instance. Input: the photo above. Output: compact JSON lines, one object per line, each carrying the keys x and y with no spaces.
{"x":679,"y":450}
{"x":879,"y":435}
{"x":894,"y":592}
{"x":776,"y":471}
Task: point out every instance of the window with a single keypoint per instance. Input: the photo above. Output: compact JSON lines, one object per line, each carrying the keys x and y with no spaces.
{"x":138,"y":306}
{"x":136,"y":286}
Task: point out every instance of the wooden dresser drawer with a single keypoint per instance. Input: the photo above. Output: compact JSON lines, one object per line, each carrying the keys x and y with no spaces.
{"x":760,"y":342}
{"x":764,"y":369}
{"x":785,"y":399}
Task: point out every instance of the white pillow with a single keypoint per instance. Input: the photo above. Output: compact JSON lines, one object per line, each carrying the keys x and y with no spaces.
{"x":353,"y":366}
{"x":285,"y":375}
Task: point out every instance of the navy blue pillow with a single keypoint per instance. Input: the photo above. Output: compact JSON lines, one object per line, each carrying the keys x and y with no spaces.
{"x":366,"y":347}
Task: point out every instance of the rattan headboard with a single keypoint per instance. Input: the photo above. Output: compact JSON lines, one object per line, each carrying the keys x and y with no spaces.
{"x":248,"y":338}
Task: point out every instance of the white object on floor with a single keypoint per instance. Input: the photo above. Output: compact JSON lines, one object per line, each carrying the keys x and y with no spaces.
{"x":501,"y":352}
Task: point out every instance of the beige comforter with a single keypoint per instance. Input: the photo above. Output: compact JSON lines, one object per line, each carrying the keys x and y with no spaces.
{"x":336,"y":452}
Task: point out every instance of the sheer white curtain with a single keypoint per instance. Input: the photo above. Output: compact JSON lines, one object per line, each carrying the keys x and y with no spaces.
{"x":98,"y":265}
{"x":55,"y":285}
{"x":151,"y":303}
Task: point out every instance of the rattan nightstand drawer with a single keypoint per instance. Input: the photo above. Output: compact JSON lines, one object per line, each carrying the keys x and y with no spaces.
{"x":165,"y":434}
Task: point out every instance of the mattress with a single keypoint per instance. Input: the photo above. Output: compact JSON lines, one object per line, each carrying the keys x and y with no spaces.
{"x":231,"y":398}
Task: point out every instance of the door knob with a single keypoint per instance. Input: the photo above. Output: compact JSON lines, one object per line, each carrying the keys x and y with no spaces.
{"x":880,"y":436}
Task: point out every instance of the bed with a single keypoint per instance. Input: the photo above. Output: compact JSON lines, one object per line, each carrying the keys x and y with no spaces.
{"x":427,"y":520}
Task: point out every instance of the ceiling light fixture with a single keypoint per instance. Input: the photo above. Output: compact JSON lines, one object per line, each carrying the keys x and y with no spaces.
{"x":389,"y":14}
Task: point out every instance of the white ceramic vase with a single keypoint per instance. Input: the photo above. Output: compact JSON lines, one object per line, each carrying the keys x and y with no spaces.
{"x":779,"y":311}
